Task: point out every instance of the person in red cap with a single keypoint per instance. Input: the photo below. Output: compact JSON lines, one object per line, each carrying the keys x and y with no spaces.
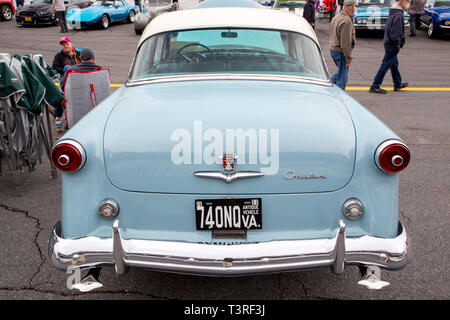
{"x":67,"y":56}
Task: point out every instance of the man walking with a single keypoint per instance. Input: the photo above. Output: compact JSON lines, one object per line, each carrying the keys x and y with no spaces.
{"x":59,"y":9}
{"x":414,"y":16}
{"x":309,"y":12}
{"x":394,"y":39}
{"x":342,"y":42}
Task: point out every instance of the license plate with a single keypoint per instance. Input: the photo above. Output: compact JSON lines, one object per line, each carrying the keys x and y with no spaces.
{"x":28,"y":19}
{"x":228,"y":214}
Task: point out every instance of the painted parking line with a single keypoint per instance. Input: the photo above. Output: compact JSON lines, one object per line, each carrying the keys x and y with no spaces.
{"x":425,"y":89}
{"x":405,"y":89}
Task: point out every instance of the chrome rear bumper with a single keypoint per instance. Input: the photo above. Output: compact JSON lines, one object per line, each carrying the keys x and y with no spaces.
{"x":228,"y":260}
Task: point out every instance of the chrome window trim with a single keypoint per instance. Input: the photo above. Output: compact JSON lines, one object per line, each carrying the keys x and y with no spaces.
{"x":227,"y":76}
{"x":316,"y":42}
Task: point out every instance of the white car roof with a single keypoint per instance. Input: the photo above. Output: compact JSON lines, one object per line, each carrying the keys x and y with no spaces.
{"x":228,"y":17}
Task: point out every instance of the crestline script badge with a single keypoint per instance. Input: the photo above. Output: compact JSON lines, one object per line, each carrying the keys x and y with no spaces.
{"x":289,"y":175}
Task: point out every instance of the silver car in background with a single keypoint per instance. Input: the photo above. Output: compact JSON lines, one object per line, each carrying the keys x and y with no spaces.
{"x":150,"y":9}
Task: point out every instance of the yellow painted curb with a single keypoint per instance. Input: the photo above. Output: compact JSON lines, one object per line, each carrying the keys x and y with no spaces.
{"x":391,"y":89}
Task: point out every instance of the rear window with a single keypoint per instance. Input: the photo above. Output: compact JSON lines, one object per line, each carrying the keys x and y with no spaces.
{"x":229,"y":50}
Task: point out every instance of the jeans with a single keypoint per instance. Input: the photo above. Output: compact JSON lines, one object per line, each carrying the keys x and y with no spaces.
{"x":62,"y":78}
{"x":59,"y":110}
{"x":390,"y":61}
{"x":414,"y":22}
{"x":340,"y":78}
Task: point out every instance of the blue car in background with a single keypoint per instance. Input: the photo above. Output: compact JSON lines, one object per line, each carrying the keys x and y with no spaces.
{"x":373,"y":14}
{"x":436,"y":16}
{"x":101,"y":13}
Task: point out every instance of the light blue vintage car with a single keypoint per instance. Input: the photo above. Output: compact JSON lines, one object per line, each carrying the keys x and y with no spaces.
{"x":373,"y":14}
{"x":229,"y":152}
{"x":101,"y":13}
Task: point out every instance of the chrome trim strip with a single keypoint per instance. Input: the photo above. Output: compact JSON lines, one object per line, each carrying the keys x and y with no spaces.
{"x":228,"y":177}
{"x":227,"y":76}
{"x":230,"y":260}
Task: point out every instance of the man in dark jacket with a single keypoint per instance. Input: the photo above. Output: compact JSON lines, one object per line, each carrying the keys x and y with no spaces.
{"x":394,"y":39}
{"x":66,"y":56}
{"x":87,"y":64}
{"x":309,"y":12}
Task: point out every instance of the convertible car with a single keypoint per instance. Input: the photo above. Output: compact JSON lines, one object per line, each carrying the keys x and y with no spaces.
{"x":101,"y":13}
{"x":228,"y":152}
{"x":436,"y":16}
{"x":373,"y":14}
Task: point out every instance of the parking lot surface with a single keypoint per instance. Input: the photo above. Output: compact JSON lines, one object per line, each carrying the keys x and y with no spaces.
{"x":420,"y":116}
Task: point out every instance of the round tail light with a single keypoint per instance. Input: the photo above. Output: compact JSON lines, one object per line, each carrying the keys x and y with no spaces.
{"x":392,"y":156}
{"x":68,"y":156}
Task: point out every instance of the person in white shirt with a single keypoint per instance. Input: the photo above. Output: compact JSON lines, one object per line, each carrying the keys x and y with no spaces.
{"x":59,"y":9}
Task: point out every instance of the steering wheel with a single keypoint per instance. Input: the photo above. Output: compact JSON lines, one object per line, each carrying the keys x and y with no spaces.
{"x":196,"y":56}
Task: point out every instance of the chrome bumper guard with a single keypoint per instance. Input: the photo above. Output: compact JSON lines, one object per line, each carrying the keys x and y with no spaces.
{"x":228,"y":260}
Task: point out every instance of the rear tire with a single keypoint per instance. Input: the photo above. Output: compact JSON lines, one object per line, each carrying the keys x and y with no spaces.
{"x":6,"y":13}
{"x":104,"y":22}
{"x":131,"y":16}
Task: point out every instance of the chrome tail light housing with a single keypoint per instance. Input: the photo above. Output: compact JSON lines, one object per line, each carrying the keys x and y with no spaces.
{"x":68,"y":155}
{"x":392,"y":156}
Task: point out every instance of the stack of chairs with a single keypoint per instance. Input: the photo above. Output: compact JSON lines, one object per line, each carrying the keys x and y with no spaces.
{"x":27,"y":90}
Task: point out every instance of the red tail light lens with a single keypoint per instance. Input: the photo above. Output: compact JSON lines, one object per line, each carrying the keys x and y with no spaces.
{"x":68,"y":156}
{"x":392,"y":156}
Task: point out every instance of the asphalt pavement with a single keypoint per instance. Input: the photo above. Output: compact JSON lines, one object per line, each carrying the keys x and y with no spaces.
{"x":420,"y":117}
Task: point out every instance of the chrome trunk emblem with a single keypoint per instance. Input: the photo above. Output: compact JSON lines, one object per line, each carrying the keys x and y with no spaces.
{"x":228,"y":177}
{"x":229,"y":161}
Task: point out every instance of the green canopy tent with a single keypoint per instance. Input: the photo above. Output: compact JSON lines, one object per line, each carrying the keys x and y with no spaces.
{"x":39,"y":59}
{"x":11,"y":92}
{"x":53,"y":95}
{"x":25,"y":132}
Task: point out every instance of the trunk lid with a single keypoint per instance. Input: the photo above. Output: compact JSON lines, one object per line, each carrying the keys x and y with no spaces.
{"x":299,"y":136}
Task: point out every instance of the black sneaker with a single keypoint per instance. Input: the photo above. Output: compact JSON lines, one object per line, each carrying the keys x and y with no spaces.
{"x":412,"y":35}
{"x":403,"y":85}
{"x":377,"y":90}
